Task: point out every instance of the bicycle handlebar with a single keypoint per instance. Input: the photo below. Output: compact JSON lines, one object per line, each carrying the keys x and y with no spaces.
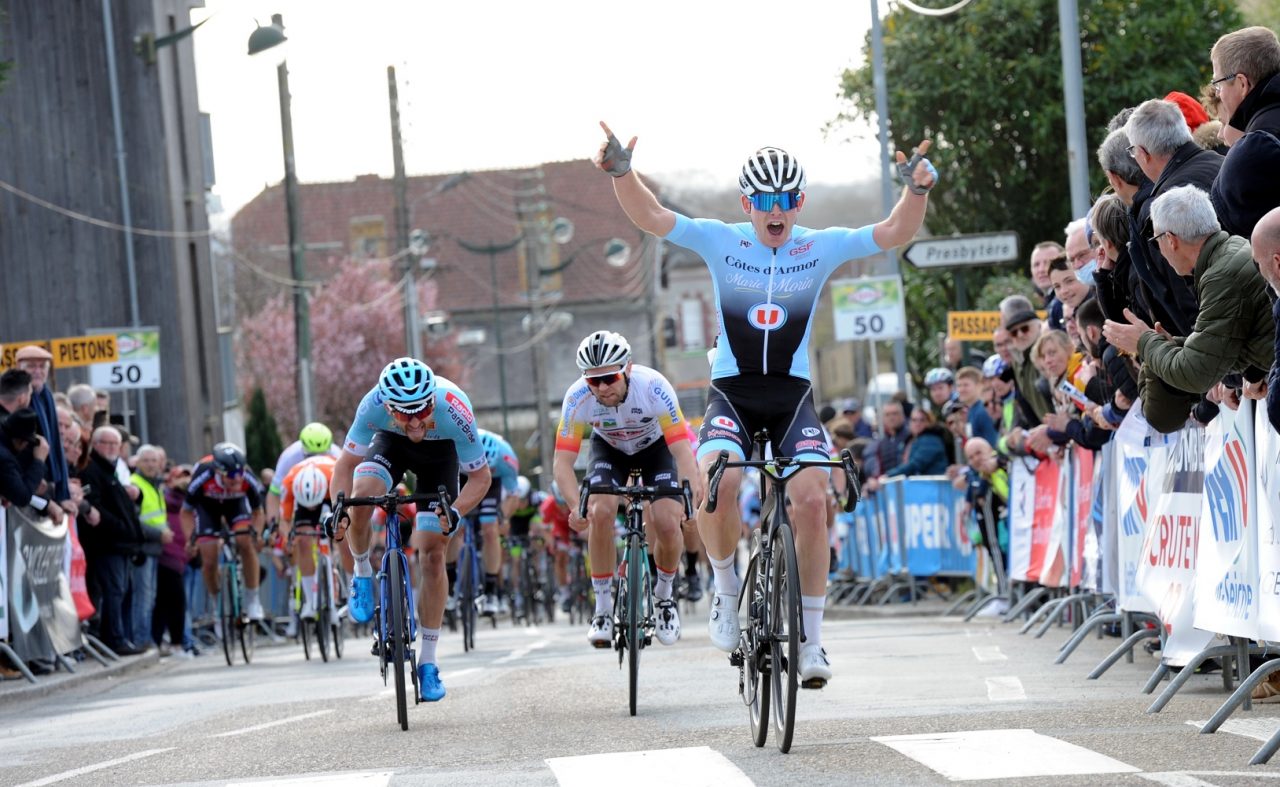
{"x":389,"y":502}
{"x":722,"y":463}
{"x":636,"y":493}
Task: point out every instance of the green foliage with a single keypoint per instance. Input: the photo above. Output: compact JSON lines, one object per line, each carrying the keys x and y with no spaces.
{"x":261,"y":435}
{"x":1000,"y":286}
{"x":985,"y":84}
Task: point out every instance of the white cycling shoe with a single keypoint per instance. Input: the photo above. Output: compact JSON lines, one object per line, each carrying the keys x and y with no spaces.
{"x":723,"y":625}
{"x":668,"y":623}
{"x":600,"y":635}
{"x":815,"y":669}
{"x":255,"y":611}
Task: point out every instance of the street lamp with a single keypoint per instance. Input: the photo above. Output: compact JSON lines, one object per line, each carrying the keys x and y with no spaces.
{"x":260,"y":40}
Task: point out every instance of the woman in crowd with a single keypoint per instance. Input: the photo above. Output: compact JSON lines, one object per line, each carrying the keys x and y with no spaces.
{"x":929,"y":450}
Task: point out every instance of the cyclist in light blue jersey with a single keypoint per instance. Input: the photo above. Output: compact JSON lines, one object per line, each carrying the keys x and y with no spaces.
{"x":768,"y":273}
{"x":411,"y":420}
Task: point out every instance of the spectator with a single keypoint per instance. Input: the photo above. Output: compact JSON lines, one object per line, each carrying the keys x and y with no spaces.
{"x":969,"y":393}
{"x":75,"y":448}
{"x":851,"y":411}
{"x":987,"y":497}
{"x":37,"y":362}
{"x":941,"y":384}
{"x":1266,"y":252}
{"x":1024,"y":326}
{"x":999,"y":376}
{"x":23,"y":452}
{"x":952,"y":353}
{"x":826,"y":413}
{"x":1234,"y":331}
{"x":929,"y":449}
{"x":1161,"y":144}
{"x":1193,"y":111}
{"x":1246,"y":68}
{"x":1078,"y":251}
{"x":886,"y":451}
{"x":15,"y":391}
{"x":84,"y":402}
{"x":1003,"y":343}
{"x":171,"y":595}
{"x":1116,"y":376}
{"x":1041,"y":255}
{"x":149,"y":479}
{"x":955,"y":416}
{"x":1114,"y":281}
{"x":1067,"y":284}
{"x":110,"y":545}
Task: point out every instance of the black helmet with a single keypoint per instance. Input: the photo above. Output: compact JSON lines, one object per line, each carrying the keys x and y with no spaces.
{"x":228,"y":458}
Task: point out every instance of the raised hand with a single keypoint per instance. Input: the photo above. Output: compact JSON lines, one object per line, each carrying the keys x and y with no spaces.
{"x":613,"y":157}
{"x":920,"y":180}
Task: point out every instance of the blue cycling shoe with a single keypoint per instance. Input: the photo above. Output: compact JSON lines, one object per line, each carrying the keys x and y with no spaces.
{"x":360,"y":605}
{"x":429,"y":686}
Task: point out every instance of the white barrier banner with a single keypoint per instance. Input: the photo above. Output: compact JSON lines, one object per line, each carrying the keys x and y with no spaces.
{"x":4,"y":579}
{"x":1227,"y":559}
{"x":1139,"y":468}
{"x":1110,"y":538}
{"x":1268,"y":530}
{"x":1167,"y":570}
{"x":1022,"y":506}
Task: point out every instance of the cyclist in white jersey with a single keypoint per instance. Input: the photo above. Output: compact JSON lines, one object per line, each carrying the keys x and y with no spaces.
{"x":768,"y":274}
{"x":636,"y":424}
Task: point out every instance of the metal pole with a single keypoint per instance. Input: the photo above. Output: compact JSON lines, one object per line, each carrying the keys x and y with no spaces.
{"x":875,"y":371}
{"x":886,"y":180}
{"x":651,"y":299}
{"x":497,"y":335}
{"x":126,"y":208}
{"x":412,"y":330}
{"x":1073,"y":100}
{"x":301,"y":310}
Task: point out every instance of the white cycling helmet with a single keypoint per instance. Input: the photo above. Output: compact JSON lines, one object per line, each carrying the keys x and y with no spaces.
{"x":603,"y":348}
{"x":938,"y":375}
{"x":771,"y":170}
{"x":407,"y":384}
{"x":523,"y":487}
{"x":310,"y":487}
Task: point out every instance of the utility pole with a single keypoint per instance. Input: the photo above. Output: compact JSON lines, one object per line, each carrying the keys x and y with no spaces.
{"x":1073,"y":101}
{"x":535,"y":220}
{"x":409,"y":268}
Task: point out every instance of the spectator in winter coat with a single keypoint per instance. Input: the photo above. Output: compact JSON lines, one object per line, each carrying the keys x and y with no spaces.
{"x":1246,"y":76}
{"x":928,"y":450}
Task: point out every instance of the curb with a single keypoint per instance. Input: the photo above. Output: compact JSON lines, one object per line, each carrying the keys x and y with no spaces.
{"x":14,"y":691}
{"x":882,"y":613}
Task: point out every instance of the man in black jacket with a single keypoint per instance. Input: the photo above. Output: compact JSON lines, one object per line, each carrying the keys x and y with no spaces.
{"x":1246,"y":77}
{"x":22,"y":455}
{"x":112,"y":544}
{"x":1161,"y":144}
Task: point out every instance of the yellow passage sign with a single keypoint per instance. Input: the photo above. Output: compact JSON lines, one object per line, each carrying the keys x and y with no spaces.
{"x":68,"y":351}
{"x":972,"y":326}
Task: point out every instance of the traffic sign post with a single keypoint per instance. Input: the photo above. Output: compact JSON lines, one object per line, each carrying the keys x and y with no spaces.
{"x":871,"y":307}
{"x":958,"y":250}
{"x":138,"y":362}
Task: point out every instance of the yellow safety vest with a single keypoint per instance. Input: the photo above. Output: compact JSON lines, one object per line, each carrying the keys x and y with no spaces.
{"x":151,"y":508}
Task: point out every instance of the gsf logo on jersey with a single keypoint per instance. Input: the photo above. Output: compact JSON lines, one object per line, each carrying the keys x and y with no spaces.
{"x":767,"y":316}
{"x":811,"y":431}
{"x":724,"y":422}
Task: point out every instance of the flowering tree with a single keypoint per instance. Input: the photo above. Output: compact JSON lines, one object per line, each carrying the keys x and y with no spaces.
{"x":357,"y":326}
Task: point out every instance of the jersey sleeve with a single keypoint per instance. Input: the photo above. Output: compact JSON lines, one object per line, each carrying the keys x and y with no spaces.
{"x":850,"y":244}
{"x":572,"y":430}
{"x":670,"y":418}
{"x":284,"y":464}
{"x":363,"y":425}
{"x":510,"y":474}
{"x":458,"y":423}
{"x":699,"y":235}
{"x":286,"y":493}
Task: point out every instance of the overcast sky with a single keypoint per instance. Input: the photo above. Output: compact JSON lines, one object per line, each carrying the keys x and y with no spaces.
{"x":487,"y":85}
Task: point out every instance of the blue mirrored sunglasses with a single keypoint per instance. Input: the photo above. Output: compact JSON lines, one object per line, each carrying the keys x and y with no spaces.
{"x":764,"y":201}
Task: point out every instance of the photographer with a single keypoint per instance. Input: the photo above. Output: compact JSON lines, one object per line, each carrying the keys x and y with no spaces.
{"x":22,"y":455}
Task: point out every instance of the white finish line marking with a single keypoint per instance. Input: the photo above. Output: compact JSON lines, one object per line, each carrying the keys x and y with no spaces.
{"x":270,"y":724}
{"x":522,"y":652}
{"x":1260,"y":728}
{"x":986,"y":653}
{"x":58,"y":777}
{"x":698,"y":765}
{"x":369,"y":779}
{"x":1005,"y":689}
{"x":1001,"y":754}
{"x":1188,"y":778}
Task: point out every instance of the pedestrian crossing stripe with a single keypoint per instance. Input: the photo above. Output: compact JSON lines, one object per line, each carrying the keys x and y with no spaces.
{"x":699,"y":765}
{"x":1260,"y":728}
{"x":1001,"y":754}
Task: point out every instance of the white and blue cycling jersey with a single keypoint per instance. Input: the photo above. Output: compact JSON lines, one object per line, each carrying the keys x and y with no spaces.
{"x":506,"y":467}
{"x":767,"y":297}
{"x":453,"y":420}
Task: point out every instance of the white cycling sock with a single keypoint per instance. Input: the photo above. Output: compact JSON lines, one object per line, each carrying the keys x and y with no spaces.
{"x":427,"y":654}
{"x":726,"y":578}
{"x":309,"y":590}
{"x":363,"y":567}
{"x":812,"y":608}
{"x":662,"y":590}
{"x":250,"y":596}
{"x":604,"y":594}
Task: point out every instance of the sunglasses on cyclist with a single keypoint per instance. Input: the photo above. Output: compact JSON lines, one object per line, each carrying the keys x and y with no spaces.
{"x":604,"y":379}
{"x":405,"y":415}
{"x":231,"y":475}
{"x":764,"y":201}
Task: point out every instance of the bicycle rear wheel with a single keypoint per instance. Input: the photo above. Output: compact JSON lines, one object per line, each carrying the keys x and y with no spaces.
{"x":335,"y":580}
{"x":396,"y":635}
{"x":755,"y":653}
{"x":227,"y":615}
{"x":784,"y":626}
{"x":322,"y":609}
{"x":635,"y":613}
{"x":466,"y":598}
{"x":245,"y":631}
{"x":303,"y":627}
{"x":529,"y":589}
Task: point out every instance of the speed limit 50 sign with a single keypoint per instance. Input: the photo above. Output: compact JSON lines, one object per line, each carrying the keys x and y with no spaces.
{"x":138,"y":364}
{"x":871,"y":307}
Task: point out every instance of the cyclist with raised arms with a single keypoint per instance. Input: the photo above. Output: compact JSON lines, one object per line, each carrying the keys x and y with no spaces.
{"x":306,"y":490}
{"x":411,"y":420}
{"x":768,"y":274}
{"x":635,"y":424}
{"x":504,"y":469}
{"x":223,"y":490}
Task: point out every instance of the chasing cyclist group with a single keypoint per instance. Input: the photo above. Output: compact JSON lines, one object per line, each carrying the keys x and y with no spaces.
{"x":768,"y":273}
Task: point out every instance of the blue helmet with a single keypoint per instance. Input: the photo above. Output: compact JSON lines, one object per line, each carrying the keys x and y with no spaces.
{"x":407,"y":384}
{"x":492,"y":447}
{"x":994,"y":366}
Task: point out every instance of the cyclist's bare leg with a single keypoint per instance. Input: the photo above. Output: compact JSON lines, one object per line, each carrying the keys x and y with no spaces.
{"x":432,"y":589}
{"x":601,"y":543}
{"x":246,"y":544}
{"x":560,"y":563}
{"x":358,"y":536}
{"x":721,"y":529}
{"x":668,"y":542}
{"x":209,"y":564}
{"x":808,"y":493}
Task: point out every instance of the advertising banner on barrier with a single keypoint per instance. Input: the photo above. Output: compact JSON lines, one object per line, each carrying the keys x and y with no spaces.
{"x":1268,"y":530}
{"x":1227,"y":558}
{"x":1022,"y":506}
{"x":44,"y":614}
{"x":891,"y":534}
{"x":1139,"y":469}
{"x":1041,"y":569}
{"x":4,"y":578}
{"x":1108,"y":537}
{"x":937,"y":540}
{"x":1082,"y":480}
{"x":1167,"y":570}
{"x":868,"y":540}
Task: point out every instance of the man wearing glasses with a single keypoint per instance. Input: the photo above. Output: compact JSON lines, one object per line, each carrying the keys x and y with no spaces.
{"x":411,"y":420}
{"x":768,"y":273}
{"x":636,"y":424}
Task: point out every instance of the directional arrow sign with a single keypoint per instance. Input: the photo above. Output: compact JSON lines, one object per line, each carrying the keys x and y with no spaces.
{"x":963,"y":250}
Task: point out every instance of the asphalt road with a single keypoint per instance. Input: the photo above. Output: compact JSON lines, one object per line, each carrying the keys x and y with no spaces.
{"x":915,"y":700}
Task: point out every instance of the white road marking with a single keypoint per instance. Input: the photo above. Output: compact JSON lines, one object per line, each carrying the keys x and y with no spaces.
{"x":58,"y":777}
{"x":458,"y":673}
{"x":1176,"y":779}
{"x":380,"y":696}
{"x":1001,"y":754}
{"x":698,"y":765}
{"x":270,"y":724}
{"x":522,"y":652}
{"x":987,"y":653}
{"x":369,"y":779}
{"x":1005,"y":689}
{"x":1260,"y":728}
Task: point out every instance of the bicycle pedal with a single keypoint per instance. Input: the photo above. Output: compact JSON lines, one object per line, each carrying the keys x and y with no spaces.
{"x":813,"y":683}
{"x":736,"y":659}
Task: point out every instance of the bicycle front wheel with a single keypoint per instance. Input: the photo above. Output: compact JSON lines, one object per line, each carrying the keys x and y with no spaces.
{"x":322,"y":609}
{"x":397,"y":628}
{"x":333,"y":581}
{"x":755,"y":653}
{"x":245,"y":632}
{"x":228,"y":615}
{"x":467,"y":598}
{"x":784,"y":626}
{"x":635,"y":613}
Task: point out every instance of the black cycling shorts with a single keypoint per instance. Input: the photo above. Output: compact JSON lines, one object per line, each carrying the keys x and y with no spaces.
{"x":211,"y":514}
{"x":655,"y":464}
{"x":520,"y":526}
{"x":738,"y":407}
{"x":434,"y":462}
